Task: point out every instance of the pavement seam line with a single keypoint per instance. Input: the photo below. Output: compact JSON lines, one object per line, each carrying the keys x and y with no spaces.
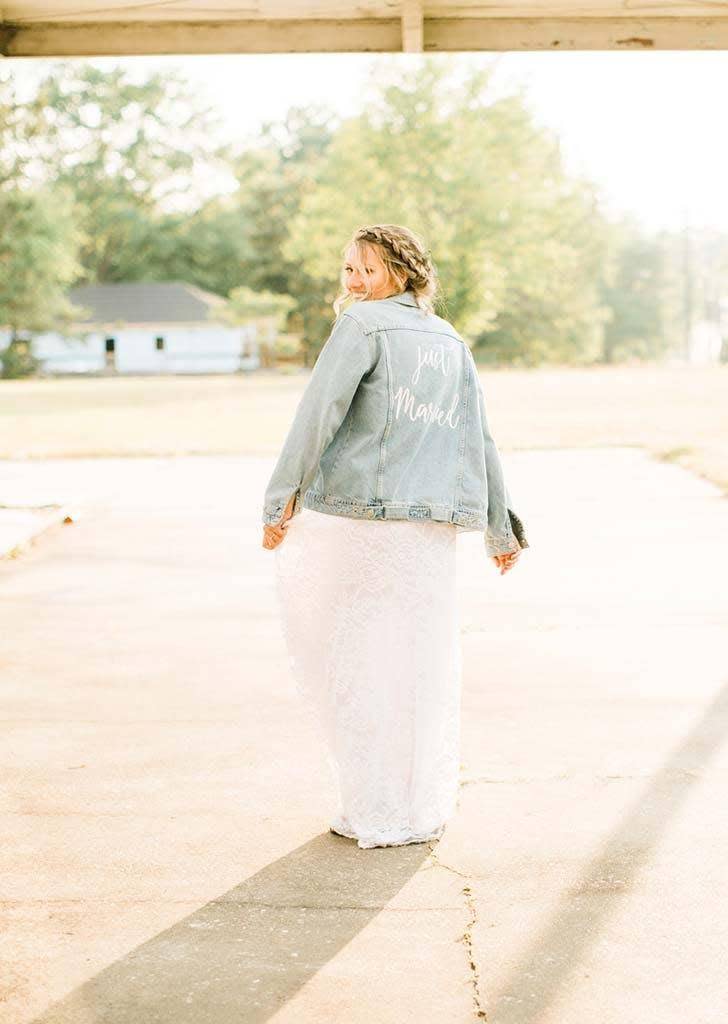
{"x":253,"y":904}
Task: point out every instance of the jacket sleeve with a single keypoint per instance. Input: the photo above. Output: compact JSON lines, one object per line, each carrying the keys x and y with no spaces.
{"x":347,"y":355}
{"x":504,"y":531}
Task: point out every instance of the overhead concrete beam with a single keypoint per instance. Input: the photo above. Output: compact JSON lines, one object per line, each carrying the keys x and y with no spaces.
{"x":644,"y":33}
{"x":412,"y":27}
{"x":410,"y":32}
{"x":126,"y":38}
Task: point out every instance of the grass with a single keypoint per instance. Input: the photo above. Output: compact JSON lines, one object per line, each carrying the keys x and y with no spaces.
{"x":677,"y":413}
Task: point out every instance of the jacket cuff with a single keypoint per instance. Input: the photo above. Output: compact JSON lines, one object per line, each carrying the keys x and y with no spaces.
{"x":272,"y":517}
{"x":272,"y":514}
{"x":499,"y":545}
{"x":502,"y":543}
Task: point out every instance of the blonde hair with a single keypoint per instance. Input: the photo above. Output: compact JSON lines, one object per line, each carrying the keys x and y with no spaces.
{"x":408,"y":262}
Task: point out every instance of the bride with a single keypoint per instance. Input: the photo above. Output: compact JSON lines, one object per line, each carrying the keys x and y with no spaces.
{"x":369,"y":493}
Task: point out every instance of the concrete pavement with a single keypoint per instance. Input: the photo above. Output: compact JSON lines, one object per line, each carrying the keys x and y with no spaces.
{"x":166,"y":852}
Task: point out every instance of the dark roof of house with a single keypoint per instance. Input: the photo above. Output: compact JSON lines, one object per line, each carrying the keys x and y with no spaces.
{"x":147,"y":302}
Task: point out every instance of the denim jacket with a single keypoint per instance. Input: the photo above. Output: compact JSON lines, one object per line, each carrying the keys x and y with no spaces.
{"x":392,"y":425}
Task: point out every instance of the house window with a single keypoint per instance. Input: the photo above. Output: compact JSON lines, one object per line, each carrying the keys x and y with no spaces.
{"x":159,"y":342}
{"x":110,"y":344}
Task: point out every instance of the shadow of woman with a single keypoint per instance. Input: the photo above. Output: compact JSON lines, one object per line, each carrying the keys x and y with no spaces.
{"x":243,"y":955}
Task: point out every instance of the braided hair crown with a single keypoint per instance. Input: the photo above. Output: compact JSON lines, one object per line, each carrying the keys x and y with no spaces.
{"x":406,"y":257}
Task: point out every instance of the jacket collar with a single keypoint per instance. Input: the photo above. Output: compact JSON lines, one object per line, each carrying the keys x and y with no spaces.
{"x":407,"y":297}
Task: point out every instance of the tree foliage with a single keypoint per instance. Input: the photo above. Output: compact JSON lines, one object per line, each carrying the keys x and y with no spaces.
{"x":532,"y":269}
{"x":517,"y":242}
{"x":131,"y":153}
{"x":38,"y":245}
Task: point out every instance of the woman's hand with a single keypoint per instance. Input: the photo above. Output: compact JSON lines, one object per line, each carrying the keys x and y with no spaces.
{"x":506,"y":561}
{"x":274,"y":533}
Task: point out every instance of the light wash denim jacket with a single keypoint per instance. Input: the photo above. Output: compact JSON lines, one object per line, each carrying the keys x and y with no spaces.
{"x":392,"y":425}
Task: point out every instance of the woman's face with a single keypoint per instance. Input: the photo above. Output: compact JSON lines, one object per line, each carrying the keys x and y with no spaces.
{"x":369,"y":279}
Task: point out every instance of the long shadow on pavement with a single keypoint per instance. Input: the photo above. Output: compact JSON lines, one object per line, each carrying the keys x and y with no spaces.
{"x":242,"y":956}
{"x":556,"y":951}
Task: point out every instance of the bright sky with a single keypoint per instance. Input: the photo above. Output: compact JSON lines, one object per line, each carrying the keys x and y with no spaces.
{"x":648,"y":128}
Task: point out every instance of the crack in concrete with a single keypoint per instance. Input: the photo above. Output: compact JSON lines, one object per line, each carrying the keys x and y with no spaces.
{"x":494,"y":780}
{"x":467,"y":941}
{"x":682,"y":773}
{"x":467,"y":937}
{"x":31,"y":508}
{"x":446,"y":867}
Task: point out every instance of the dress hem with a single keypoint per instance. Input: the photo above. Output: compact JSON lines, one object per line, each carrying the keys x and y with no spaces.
{"x":397,"y":838}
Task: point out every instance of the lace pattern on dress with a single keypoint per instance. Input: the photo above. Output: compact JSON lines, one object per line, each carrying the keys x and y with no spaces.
{"x":370,"y":619}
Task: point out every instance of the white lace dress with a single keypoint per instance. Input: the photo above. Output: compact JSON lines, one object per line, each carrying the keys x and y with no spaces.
{"x":371,"y":623}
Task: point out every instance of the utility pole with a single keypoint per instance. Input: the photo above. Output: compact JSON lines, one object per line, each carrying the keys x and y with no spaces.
{"x":688,"y":290}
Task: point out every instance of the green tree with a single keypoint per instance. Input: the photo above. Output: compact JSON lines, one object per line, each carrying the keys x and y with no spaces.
{"x":516,"y":241}
{"x":268,"y":312}
{"x":246,"y":306}
{"x":38,"y":260}
{"x":130,"y":152}
{"x":634,"y":292}
{"x":210,"y":247}
{"x":23,"y":128}
{"x":275,"y":176}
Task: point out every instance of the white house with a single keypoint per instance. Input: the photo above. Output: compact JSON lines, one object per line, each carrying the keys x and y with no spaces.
{"x":147,"y":327}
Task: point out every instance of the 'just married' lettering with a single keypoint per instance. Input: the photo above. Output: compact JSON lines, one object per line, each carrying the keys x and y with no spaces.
{"x":434,"y":357}
{"x":406,"y":401}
